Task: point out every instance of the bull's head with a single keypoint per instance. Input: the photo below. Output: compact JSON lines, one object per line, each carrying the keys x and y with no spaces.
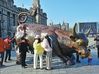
{"x":81,"y":41}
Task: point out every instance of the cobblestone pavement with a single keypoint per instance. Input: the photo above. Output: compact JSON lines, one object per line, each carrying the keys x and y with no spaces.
{"x":58,"y":67}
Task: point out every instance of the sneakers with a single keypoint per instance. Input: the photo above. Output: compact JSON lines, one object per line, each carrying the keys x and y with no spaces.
{"x":48,"y":69}
{"x":10,"y":59}
{"x":41,"y":68}
{"x":35,"y":68}
{"x":24,"y":66}
{"x":5,"y":61}
{"x":1,"y":64}
{"x":78,"y":61}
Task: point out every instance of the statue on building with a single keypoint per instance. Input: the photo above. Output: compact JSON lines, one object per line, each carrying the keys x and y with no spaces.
{"x":38,"y":14}
{"x":36,"y":5}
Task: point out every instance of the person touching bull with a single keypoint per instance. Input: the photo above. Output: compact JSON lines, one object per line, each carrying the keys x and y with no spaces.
{"x":23,"y":48}
{"x":46,"y":44}
{"x":97,"y":44}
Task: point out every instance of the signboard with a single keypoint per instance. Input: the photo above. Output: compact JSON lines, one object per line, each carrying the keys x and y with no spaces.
{"x":83,"y":27}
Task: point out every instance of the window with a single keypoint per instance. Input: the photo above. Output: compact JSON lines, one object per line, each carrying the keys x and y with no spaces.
{"x":0,"y":12}
{"x":13,"y":19}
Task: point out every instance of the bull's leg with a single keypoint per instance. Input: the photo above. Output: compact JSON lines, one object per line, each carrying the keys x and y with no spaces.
{"x":58,"y":53}
{"x":77,"y":58}
{"x":64,"y":59}
{"x":57,"y":49}
{"x":68,"y":60}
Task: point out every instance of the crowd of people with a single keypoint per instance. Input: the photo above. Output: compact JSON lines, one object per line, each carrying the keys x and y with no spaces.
{"x":42,"y":46}
{"x":5,"y":49}
{"x":39,"y":47}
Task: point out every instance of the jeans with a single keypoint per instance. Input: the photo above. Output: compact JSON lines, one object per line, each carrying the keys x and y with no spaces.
{"x":8,"y":54}
{"x":23,"y":58}
{"x":98,"y":51}
{"x":2,"y":57}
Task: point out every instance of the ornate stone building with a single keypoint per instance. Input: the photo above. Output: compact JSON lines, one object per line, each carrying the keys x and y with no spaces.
{"x":64,"y":26}
{"x":36,"y":13}
{"x":8,"y":17}
{"x":30,"y":18}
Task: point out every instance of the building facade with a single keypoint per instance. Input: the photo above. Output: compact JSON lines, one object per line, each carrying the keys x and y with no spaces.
{"x":36,"y":13}
{"x":84,"y":26}
{"x":65,"y":26}
{"x":8,"y":17}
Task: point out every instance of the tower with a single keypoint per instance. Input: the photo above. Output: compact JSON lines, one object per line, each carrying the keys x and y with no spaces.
{"x":39,"y":16}
{"x":36,"y":3}
{"x":36,"y":10}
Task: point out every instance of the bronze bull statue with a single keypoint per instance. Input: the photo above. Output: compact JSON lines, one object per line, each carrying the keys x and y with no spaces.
{"x":64,"y":44}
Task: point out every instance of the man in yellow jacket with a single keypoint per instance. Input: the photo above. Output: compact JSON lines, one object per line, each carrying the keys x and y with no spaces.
{"x":38,"y":52}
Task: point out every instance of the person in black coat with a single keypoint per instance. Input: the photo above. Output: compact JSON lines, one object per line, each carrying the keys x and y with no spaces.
{"x":97,"y":44}
{"x":23,"y":48}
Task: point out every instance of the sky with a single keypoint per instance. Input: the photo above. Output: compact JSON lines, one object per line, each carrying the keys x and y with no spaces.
{"x":69,"y":11}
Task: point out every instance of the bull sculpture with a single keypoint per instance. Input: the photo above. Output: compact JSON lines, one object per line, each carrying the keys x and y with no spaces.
{"x":64,"y":44}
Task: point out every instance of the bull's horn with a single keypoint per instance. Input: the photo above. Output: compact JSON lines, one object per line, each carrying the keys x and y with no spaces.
{"x":20,"y":16}
{"x":87,"y":33}
{"x":74,"y":30}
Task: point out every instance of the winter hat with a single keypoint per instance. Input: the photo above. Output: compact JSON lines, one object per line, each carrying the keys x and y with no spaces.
{"x":37,"y":36}
{"x":44,"y":34}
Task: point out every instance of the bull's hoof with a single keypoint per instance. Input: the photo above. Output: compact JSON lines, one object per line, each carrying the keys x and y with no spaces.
{"x":73,"y":63}
{"x":68,"y":62}
{"x":18,"y":63}
{"x":78,"y":61}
